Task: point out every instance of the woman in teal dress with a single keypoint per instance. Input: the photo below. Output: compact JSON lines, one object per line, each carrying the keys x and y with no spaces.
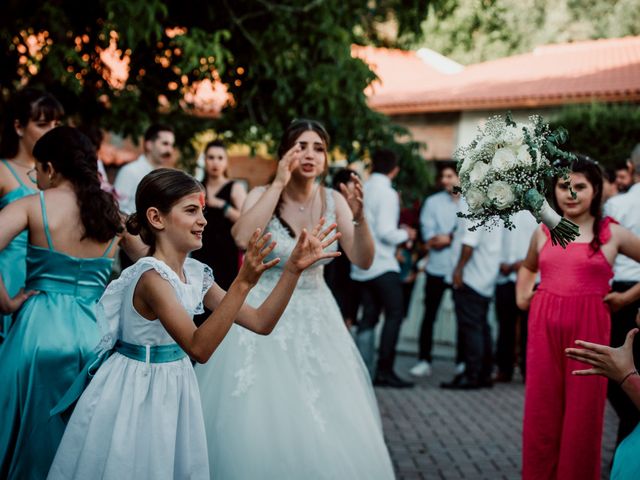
{"x":616,"y":364}
{"x":73,"y":226}
{"x":30,"y":114}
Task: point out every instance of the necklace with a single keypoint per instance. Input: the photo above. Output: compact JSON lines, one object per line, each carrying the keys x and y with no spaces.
{"x":303,"y":206}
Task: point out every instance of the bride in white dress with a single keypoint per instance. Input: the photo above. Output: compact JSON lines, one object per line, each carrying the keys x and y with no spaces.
{"x":297,"y":404}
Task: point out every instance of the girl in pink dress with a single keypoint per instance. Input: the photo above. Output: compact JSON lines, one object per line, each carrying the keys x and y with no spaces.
{"x":563,"y":414}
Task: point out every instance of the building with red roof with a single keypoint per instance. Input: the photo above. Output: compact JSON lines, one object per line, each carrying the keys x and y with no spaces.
{"x":442,"y":104}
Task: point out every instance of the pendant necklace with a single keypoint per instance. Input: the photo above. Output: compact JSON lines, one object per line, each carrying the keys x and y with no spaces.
{"x":302,"y":207}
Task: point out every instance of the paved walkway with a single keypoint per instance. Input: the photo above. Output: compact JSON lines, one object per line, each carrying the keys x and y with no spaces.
{"x":442,"y":434}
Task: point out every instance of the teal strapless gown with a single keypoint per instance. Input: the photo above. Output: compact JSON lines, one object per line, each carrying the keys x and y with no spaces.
{"x":13,"y":266}
{"x":54,"y":335}
{"x":626,"y":462}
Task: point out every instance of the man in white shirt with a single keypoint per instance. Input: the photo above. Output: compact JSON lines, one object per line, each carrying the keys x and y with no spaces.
{"x":381,"y":285}
{"x":515,"y":244}
{"x":438,"y":220}
{"x":624,"y":299}
{"x":474,"y":280}
{"x":159,"y":141}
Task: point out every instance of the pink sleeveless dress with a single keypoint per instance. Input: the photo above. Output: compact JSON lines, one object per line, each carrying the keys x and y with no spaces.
{"x":563,"y":413}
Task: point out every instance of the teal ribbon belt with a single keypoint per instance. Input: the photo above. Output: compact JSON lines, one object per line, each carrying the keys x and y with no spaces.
{"x":142,"y":353}
{"x":65,"y":288}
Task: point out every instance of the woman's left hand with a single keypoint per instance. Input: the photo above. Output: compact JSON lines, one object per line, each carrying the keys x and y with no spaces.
{"x":354,"y":195}
{"x":613,"y":363}
{"x":310,"y":247}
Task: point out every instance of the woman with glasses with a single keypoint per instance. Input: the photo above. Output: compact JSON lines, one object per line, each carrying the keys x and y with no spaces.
{"x":30,"y":114}
{"x":73,"y":227}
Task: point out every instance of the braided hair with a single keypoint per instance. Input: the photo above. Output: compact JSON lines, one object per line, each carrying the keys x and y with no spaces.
{"x":162,"y":189}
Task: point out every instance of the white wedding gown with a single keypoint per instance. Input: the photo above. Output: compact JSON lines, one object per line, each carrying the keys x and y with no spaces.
{"x":297,"y":404}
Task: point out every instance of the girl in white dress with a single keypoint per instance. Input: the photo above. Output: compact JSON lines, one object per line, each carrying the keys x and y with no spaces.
{"x":298,"y":404}
{"x":141,"y":417}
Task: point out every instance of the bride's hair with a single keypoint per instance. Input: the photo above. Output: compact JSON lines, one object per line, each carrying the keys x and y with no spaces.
{"x":162,"y":189}
{"x":289,"y":138}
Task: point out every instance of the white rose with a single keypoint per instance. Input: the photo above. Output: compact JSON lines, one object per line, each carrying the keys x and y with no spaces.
{"x":478,"y":172}
{"x":475,"y":198}
{"x":523,"y":156}
{"x":501,"y":194}
{"x":467,"y":163}
{"x":503,"y":159}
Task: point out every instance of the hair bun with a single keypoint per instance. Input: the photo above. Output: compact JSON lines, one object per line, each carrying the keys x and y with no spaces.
{"x":133,"y":224}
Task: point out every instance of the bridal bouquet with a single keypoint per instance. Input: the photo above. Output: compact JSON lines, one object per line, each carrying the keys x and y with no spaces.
{"x":507,"y":168}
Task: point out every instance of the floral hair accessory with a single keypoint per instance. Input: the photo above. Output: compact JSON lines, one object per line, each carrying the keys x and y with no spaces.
{"x":202,"y":201}
{"x":508,"y":167}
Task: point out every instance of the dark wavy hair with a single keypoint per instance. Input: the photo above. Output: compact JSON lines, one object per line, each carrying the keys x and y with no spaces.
{"x":162,"y":189}
{"x":289,"y":138}
{"x":593,"y":173}
{"x":74,"y":157}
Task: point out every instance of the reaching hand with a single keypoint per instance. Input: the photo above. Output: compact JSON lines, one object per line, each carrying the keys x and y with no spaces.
{"x":288,"y":164}
{"x":16,"y":302}
{"x":253,"y":265}
{"x":310,"y":247}
{"x":613,"y":363}
{"x":354,"y":194}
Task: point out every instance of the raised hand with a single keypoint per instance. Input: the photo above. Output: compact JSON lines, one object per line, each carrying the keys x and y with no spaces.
{"x":613,"y":363}
{"x":288,"y":164}
{"x":354,"y":195}
{"x":253,"y":265}
{"x":310,"y":247}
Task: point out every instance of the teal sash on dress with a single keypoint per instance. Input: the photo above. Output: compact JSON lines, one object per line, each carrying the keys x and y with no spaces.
{"x":143,"y":353}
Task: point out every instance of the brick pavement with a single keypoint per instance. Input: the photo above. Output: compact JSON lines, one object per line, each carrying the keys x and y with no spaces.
{"x":442,"y":434}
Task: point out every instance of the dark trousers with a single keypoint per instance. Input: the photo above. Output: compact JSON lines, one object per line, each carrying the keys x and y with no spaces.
{"x":383,"y":294}
{"x":621,"y":322}
{"x":508,"y":314}
{"x":473,"y":328}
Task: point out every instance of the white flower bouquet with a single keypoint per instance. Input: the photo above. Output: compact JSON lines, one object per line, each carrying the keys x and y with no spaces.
{"x":508,"y":167}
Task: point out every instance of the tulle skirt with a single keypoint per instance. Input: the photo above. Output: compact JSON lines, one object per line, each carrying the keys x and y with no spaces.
{"x":297,"y":404}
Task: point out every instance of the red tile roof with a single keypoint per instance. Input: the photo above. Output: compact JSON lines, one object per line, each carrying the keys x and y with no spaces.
{"x":579,"y":72}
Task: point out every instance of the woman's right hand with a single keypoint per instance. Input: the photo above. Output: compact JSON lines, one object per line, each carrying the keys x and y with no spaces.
{"x":287,"y":164}
{"x":253,"y":265}
{"x":613,"y":363}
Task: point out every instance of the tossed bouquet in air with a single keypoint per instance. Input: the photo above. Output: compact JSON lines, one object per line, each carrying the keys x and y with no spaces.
{"x":508,"y":167}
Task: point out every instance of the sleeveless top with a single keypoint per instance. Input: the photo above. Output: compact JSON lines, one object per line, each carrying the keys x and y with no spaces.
{"x":576,"y":270}
{"x":51,"y":271}
{"x":13,"y":265}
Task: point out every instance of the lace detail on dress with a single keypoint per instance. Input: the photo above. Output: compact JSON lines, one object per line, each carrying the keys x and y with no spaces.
{"x":189,"y":294}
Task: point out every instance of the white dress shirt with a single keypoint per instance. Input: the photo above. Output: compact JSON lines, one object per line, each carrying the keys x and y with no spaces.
{"x":515,"y":243}
{"x":439,"y":217}
{"x":127,"y":182}
{"x":481,"y":271}
{"x":625,"y":208}
{"x":382,"y":211}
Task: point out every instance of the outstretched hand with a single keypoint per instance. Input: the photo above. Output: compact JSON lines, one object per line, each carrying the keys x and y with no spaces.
{"x":13,"y":304}
{"x":253,"y":265}
{"x":613,"y":363}
{"x":354,"y":194}
{"x":310,"y":247}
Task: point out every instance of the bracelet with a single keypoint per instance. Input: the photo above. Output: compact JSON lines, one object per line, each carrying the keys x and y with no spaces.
{"x":226,"y":207}
{"x":633,"y":372}
{"x":357,"y":223}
